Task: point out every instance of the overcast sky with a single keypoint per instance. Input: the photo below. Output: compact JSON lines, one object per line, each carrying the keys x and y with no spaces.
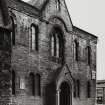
{"x":90,"y":16}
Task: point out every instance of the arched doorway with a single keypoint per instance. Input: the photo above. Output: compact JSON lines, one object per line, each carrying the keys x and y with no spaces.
{"x":65,"y":94}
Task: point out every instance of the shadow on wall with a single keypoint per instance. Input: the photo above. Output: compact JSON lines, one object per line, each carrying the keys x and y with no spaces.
{"x":50,"y":94}
{"x":5,"y":13}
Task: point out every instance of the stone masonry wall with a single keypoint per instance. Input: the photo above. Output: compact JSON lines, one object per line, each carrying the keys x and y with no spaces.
{"x":24,"y":61}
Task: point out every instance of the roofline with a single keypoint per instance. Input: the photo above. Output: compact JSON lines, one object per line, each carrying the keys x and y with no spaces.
{"x":85,"y":32}
{"x":68,"y":13}
{"x":29,"y":5}
{"x":18,"y":2}
{"x":100,"y":81}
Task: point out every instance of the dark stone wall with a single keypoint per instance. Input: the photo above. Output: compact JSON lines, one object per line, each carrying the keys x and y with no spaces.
{"x":5,"y":67}
{"x":24,"y":61}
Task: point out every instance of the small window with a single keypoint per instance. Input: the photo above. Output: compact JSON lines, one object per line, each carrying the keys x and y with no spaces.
{"x":76,"y":50}
{"x":13,"y":82}
{"x":13,"y":31}
{"x":89,"y":55}
{"x":32,"y":83}
{"x":34,"y":37}
{"x":88,"y":89}
{"x":37,"y":85}
{"x":22,"y":83}
{"x":78,"y":88}
{"x":75,"y":89}
{"x":1,"y":38}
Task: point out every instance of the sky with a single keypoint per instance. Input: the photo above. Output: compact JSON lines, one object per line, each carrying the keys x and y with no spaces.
{"x":89,"y":15}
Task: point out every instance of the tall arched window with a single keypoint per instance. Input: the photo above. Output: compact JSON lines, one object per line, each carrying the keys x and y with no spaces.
{"x":57,"y":46}
{"x":52,"y":45}
{"x":58,"y":5}
{"x":57,"y":43}
{"x":34,"y":37}
{"x":78,"y":88}
{"x":76,"y":50}
{"x":32,"y":83}
{"x":13,"y":82}
{"x":75,"y":89}
{"x":13,"y":31}
{"x":88,"y":89}
{"x":37,"y":85}
{"x":89,"y":54}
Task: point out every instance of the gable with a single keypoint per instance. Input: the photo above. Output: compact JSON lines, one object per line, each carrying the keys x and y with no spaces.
{"x":57,"y":8}
{"x":65,"y":72}
{"x":51,"y":8}
{"x":64,"y":75}
{"x":61,"y":74}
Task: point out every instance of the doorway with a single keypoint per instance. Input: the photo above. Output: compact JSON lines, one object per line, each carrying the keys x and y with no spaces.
{"x":65,"y":94}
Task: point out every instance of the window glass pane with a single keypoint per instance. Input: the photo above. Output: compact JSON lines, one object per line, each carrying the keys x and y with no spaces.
{"x":57,"y":45}
{"x":76,"y":50}
{"x":22,"y":83}
{"x":88,"y":89}
{"x":13,"y":82}
{"x":78,"y":88}
{"x":52,"y":45}
{"x":37,"y":85}
{"x":89,"y":54}
{"x":33,"y":38}
{"x":32,"y":84}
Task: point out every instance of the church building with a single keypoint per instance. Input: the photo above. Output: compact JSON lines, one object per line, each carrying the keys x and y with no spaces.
{"x":45,"y":59}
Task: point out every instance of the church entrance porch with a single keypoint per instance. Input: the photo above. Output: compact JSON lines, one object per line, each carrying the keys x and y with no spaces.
{"x":64,"y":96}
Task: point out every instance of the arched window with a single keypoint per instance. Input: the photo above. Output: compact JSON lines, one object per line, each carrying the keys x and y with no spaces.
{"x":13,"y":82}
{"x":76,"y":50}
{"x":32,"y":83}
{"x":13,"y":31}
{"x":78,"y":88}
{"x":75,"y":89}
{"x":58,"y":5}
{"x":89,"y":54}
{"x":53,"y":46}
{"x":37,"y":85}
{"x":57,"y":46}
{"x":34,"y":37}
{"x":57,"y":43}
{"x":88,"y":89}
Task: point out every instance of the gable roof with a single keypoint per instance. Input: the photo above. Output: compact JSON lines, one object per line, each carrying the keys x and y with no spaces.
{"x":84,"y":34}
{"x":23,"y":7}
{"x":54,"y":74}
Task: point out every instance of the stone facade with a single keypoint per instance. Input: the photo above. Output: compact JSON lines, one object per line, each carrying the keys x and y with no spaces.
{"x":58,"y":75}
{"x":5,"y":55}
